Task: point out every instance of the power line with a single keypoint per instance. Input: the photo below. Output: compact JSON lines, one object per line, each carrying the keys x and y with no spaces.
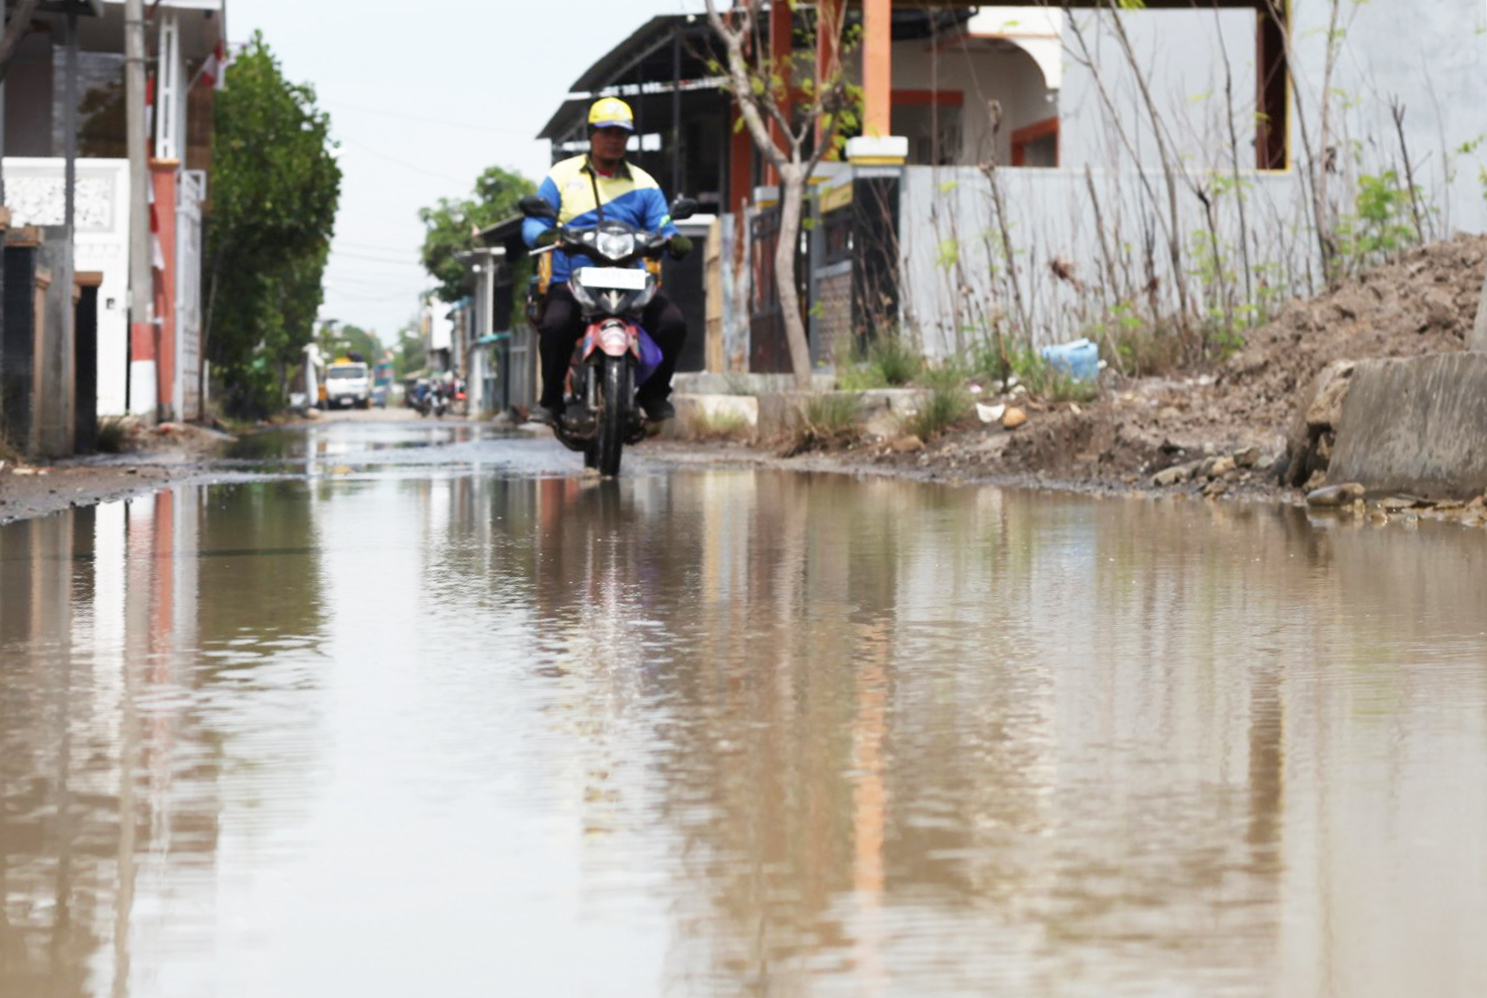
{"x":409,"y":261}
{"x":432,"y":121}
{"x":403,"y":163}
{"x":401,"y":295}
{"x":370,"y":246}
{"x":362,"y":283}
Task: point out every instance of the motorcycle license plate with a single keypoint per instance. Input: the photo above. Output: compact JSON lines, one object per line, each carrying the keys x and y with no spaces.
{"x":615,"y":278}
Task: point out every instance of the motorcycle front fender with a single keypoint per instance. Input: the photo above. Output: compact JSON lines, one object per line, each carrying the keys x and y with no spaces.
{"x":612,"y":337}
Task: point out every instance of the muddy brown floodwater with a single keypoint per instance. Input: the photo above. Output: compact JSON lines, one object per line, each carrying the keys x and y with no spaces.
{"x":471,"y":728}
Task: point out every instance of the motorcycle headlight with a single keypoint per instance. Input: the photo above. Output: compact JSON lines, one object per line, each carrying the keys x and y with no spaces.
{"x":616,"y":245}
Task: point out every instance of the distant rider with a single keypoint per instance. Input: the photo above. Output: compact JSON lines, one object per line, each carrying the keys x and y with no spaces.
{"x":584,"y":189}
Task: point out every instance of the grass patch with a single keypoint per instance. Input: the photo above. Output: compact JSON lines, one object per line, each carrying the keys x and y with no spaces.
{"x":897,"y":361}
{"x":1148,"y":352}
{"x":858,"y":376}
{"x":710,"y":426}
{"x":984,"y":360}
{"x":113,"y":434}
{"x":1048,"y":383}
{"x":947,"y":404}
{"x":828,"y":419}
{"x":889,"y":362}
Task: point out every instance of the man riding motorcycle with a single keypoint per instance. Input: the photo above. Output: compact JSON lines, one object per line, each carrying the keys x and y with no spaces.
{"x":586,"y":190}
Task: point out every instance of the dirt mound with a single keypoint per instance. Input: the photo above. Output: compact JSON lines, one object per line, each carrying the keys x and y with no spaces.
{"x":1424,"y":302}
{"x":128,"y":434}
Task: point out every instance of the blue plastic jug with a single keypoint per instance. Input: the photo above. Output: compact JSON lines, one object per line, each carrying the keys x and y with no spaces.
{"x":1080,"y":359}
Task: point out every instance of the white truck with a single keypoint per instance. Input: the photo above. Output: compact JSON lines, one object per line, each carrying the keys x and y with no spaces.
{"x":348,"y":383}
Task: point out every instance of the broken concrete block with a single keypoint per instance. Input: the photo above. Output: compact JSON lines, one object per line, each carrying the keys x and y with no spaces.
{"x":1333,"y":496}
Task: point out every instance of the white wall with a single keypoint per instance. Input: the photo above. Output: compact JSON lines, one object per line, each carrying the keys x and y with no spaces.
{"x":35,"y":195}
{"x":954,"y":266}
{"x":1432,"y":61}
{"x":1181,"y":53}
{"x":441,"y":328}
{"x":1009,"y":76}
{"x":1432,"y":56}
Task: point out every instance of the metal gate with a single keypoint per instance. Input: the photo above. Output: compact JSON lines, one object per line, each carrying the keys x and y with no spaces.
{"x":188,"y":292}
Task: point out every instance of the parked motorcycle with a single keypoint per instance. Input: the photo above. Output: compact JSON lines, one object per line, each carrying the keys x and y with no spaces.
{"x":614,"y":356}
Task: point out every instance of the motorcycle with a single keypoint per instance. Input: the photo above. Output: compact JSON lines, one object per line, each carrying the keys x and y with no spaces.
{"x":614,"y":356}
{"x":430,"y":401}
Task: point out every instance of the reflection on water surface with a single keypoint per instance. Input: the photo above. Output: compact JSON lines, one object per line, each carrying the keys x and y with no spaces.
{"x":736,"y":733}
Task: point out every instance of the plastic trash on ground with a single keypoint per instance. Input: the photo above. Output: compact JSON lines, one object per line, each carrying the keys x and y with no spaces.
{"x":990,"y":413}
{"x":1080,"y":359}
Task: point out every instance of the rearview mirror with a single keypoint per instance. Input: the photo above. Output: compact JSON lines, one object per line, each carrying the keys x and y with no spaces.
{"x":536,"y":206}
{"x":683,"y":208}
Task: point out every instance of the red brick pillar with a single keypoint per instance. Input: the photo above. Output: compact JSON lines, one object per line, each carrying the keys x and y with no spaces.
{"x":165,"y":177}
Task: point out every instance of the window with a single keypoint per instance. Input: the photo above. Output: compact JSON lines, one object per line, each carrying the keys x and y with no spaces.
{"x":1036,"y":145}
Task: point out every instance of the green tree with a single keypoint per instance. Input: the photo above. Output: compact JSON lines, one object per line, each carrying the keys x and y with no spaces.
{"x":410,"y":354}
{"x":275,"y":189}
{"x":453,"y":225}
{"x":337,"y":340}
{"x":763,"y":90}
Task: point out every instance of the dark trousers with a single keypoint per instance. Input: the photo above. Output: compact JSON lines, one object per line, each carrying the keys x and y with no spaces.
{"x":561,"y":327}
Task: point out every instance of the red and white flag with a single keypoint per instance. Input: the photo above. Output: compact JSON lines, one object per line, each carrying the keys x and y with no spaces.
{"x":214,"y":70}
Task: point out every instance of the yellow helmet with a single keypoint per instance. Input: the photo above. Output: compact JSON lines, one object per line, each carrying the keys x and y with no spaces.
{"x":611,"y":112}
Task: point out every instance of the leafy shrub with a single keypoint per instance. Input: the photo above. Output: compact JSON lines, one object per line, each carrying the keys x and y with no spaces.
{"x":1376,"y":230}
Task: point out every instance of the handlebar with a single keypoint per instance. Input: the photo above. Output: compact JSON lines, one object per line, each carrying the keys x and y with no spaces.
{"x":572,"y":241}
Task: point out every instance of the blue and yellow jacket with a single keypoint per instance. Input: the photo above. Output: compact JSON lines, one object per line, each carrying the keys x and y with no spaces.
{"x":631,"y":196}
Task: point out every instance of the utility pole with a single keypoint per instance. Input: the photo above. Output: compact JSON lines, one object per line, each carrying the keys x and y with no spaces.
{"x":141,"y":280}
{"x":68,"y":360}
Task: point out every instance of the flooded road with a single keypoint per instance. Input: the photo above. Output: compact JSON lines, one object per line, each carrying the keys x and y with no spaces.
{"x":429,"y":717}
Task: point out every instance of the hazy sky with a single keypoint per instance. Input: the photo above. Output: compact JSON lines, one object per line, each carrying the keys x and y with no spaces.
{"x":422,"y":98}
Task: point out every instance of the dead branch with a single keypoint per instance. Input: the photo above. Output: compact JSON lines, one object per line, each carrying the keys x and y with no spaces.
{"x":989,"y":169}
{"x":1396,"y":110}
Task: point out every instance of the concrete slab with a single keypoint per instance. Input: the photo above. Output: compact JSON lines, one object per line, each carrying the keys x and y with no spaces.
{"x":708,"y":383}
{"x":1417,"y":425}
{"x":695,"y":413}
{"x":781,"y":414}
{"x":884,"y":410}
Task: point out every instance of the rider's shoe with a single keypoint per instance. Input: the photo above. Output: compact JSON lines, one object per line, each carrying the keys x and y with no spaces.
{"x":545,"y":415}
{"x":658,"y":410}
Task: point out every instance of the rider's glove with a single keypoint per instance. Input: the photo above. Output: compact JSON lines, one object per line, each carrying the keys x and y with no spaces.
{"x":679,"y":246}
{"x":548,"y":237}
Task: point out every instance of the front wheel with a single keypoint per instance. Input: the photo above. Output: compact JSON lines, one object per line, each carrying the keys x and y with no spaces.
{"x":616,"y":394}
